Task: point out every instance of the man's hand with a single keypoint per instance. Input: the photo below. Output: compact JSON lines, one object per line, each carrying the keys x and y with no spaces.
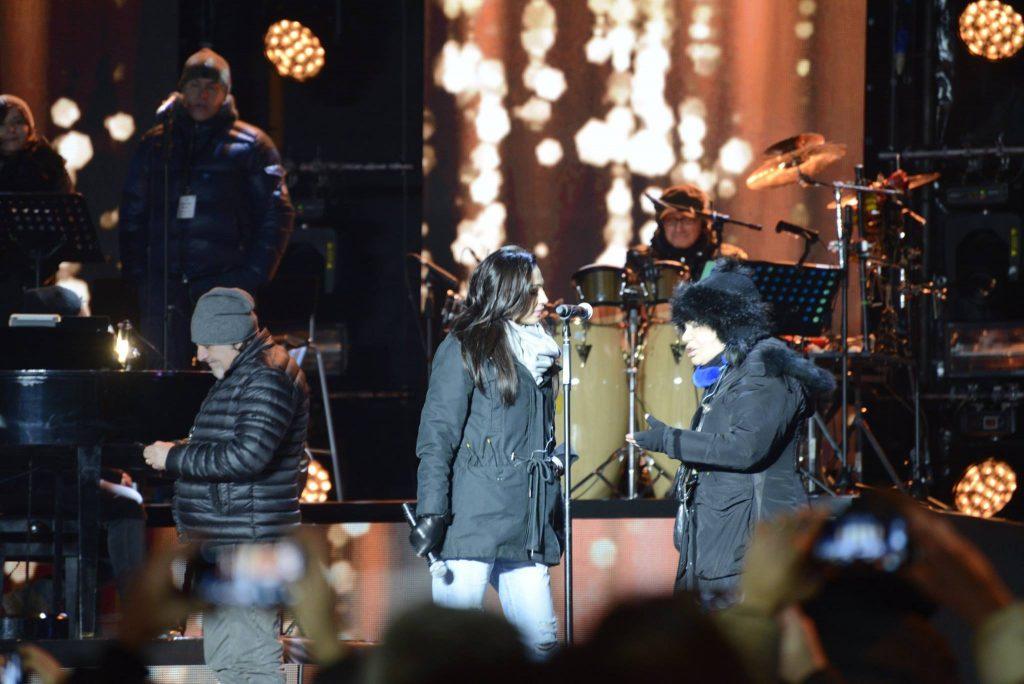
{"x":155,"y":455}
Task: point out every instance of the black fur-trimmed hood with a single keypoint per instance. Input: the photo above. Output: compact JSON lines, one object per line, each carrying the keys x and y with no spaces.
{"x":780,"y":360}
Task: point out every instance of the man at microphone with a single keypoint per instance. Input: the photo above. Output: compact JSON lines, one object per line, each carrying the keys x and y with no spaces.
{"x":682,"y":234}
{"x":204,"y":205}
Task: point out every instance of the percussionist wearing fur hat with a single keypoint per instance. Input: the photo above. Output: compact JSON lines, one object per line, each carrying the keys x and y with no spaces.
{"x":739,"y":457}
{"x":683,"y":234}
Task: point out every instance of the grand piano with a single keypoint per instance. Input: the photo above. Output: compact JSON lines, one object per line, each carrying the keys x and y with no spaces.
{"x":87,"y":417}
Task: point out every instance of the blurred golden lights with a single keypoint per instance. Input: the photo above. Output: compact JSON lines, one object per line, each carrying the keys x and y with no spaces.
{"x":294,"y":50}
{"x":985,"y":488}
{"x":318,"y":483}
{"x":992,"y":29}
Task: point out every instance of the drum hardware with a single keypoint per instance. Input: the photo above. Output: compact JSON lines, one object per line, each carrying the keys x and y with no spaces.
{"x":795,"y":160}
{"x":584,"y":351}
{"x":678,"y":349}
{"x":792,"y":159}
{"x":433,"y":278}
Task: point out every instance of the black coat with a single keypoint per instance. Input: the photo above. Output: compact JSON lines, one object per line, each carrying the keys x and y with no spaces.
{"x":744,"y":450}
{"x":243,"y":216}
{"x":36,"y":168}
{"x":485,"y":465}
{"x":239,"y":471}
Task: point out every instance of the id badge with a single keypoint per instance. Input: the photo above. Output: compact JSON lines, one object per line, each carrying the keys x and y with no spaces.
{"x":187,"y":207}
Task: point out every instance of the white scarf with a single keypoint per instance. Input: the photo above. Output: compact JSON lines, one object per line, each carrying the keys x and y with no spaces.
{"x":533,"y":347}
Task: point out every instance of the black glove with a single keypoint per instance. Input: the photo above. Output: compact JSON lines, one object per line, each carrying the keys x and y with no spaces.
{"x":428,"y":534}
{"x":653,"y":439}
{"x":558,"y":455}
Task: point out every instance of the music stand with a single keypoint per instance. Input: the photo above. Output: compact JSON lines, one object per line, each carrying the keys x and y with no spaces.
{"x":49,"y":225}
{"x":801,"y":297}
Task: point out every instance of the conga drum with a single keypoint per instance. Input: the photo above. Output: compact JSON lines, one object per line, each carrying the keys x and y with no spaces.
{"x":665,"y":386}
{"x":600,"y":391}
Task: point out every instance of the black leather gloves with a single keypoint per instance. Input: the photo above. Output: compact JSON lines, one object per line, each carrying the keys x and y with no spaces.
{"x":428,"y":534}
{"x":654,"y":438}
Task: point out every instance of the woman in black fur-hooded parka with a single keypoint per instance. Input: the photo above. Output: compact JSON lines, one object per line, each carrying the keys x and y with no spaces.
{"x":739,"y":457}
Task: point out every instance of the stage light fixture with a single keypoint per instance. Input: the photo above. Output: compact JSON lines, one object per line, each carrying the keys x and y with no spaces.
{"x":294,"y":50}
{"x":318,"y":483}
{"x":992,"y":29}
{"x":985,"y":488}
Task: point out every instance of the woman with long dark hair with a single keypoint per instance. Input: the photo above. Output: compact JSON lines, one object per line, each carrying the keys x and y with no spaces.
{"x":488,"y":480}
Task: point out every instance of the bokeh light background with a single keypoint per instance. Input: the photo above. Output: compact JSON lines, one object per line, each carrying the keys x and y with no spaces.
{"x":546,"y":119}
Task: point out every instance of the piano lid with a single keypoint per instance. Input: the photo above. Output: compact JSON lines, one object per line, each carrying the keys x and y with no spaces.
{"x":82,"y":408}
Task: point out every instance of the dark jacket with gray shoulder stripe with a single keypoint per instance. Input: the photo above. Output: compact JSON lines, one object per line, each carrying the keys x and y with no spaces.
{"x":240,"y":469}
{"x":485,"y":465}
{"x":745,"y":455}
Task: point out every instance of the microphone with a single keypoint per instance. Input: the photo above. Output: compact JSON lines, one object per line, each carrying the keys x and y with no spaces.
{"x":167,"y":106}
{"x":805,"y":233}
{"x":582,"y":311}
{"x":438,"y":568}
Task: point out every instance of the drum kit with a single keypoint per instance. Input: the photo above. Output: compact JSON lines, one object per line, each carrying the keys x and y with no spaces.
{"x":628,"y":359}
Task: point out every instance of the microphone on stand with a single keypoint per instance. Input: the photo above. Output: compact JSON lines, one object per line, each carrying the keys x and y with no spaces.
{"x":582,"y":311}
{"x":799,"y":231}
{"x":167,"y":106}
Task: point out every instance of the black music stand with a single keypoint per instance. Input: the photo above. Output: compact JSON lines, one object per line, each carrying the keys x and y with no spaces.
{"x":801,"y":297}
{"x":49,"y":226}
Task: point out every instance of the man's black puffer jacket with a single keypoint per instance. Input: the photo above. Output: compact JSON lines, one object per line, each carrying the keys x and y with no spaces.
{"x":243,"y":216}
{"x":239,"y":472}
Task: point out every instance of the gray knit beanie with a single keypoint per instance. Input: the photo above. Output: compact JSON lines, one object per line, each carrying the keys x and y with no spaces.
{"x":224,"y":315}
{"x":206,"y":64}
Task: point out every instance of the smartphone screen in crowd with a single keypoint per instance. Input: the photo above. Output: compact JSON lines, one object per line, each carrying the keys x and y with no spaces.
{"x":12,"y":673}
{"x":248,"y":574}
{"x":864,"y":537}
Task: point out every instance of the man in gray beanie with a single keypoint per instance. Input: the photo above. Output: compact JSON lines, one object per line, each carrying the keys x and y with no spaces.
{"x":239,"y":470}
{"x":204,"y":205}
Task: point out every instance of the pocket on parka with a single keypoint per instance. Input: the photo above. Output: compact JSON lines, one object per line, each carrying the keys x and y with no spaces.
{"x":489,"y":495}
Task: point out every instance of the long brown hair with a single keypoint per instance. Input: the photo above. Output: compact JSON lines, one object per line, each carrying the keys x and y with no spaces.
{"x":500,"y":290}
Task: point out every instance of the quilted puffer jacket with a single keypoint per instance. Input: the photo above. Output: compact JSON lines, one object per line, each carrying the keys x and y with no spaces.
{"x":243,"y":216}
{"x":239,"y":471}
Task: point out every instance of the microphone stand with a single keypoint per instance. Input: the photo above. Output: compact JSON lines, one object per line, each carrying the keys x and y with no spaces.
{"x":567,"y":476}
{"x":168,"y":141}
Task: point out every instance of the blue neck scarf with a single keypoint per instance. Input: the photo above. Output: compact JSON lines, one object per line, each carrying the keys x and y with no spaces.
{"x":705,"y":376}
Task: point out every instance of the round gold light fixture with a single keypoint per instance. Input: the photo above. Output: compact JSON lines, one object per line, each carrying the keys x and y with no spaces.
{"x":294,"y":50}
{"x":985,"y":488}
{"x":318,"y":483}
{"x":992,"y":29}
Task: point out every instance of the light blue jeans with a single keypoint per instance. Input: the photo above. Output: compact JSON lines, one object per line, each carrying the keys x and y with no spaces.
{"x":524,"y":590}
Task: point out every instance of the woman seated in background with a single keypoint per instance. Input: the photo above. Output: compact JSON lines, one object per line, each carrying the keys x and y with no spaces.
{"x":27,"y":161}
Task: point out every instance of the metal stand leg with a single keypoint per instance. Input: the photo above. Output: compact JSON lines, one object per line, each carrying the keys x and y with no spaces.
{"x":329,"y":419}
{"x":84,"y":623}
{"x":631,"y":373}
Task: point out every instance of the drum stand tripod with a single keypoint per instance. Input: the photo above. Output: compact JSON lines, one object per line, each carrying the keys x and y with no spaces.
{"x":844,"y":226}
